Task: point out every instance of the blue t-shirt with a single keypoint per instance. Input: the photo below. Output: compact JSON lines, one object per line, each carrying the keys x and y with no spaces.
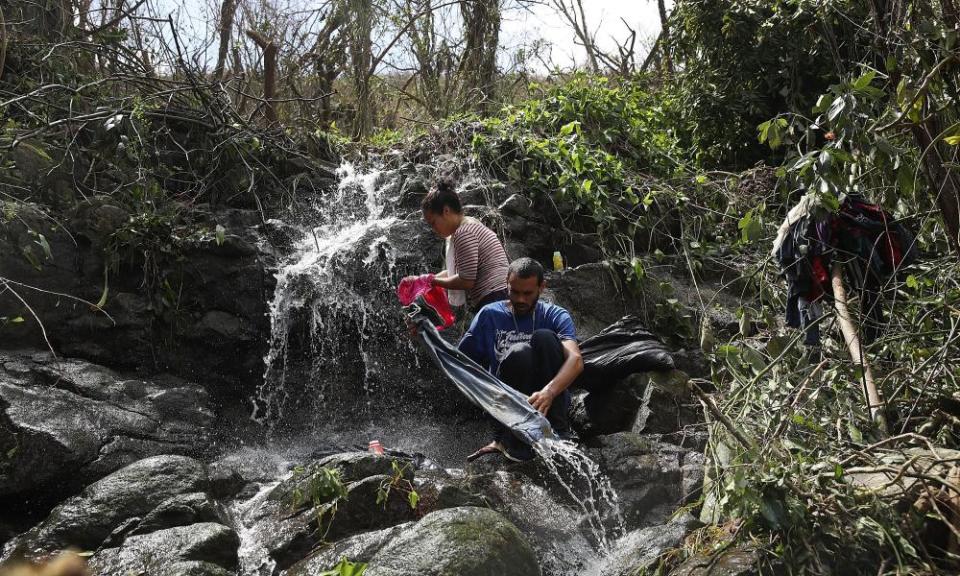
{"x":495,"y":329}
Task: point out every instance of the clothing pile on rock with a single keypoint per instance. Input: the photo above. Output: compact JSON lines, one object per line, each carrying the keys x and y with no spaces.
{"x":862,"y":236}
{"x":619,"y":350}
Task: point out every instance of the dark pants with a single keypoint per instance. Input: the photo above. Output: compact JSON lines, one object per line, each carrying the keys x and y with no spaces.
{"x":529,"y":367}
{"x":495,"y":296}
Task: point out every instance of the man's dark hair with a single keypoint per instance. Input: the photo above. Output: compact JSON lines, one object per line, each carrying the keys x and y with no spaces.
{"x":525,"y":268}
{"x":443,"y":193}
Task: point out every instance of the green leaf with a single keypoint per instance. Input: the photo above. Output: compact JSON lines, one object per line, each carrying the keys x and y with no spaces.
{"x":103,"y":297}
{"x":413,"y":498}
{"x":570,"y":128}
{"x":728,"y":351}
{"x":17,"y":320}
{"x":750,"y":227}
{"x":220,"y":233}
{"x":764,"y":130}
{"x":865,"y":80}
{"x":38,"y":151}
{"x":27,"y":252}
{"x":890,"y":64}
{"x":346,"y":568}
{"x":773,"y":512}
{"x":952,"y":140}
{"x":836,"y":108}
{"x":42,"y":241}
{"x":776,"y":345}
{"x":753,"y":358}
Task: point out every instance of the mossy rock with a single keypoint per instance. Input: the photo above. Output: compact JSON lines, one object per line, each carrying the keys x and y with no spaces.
{"x":462,"y":541}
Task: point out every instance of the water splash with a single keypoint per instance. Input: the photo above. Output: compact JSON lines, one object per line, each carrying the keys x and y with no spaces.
{"x":318,"y":286}
{"x":586,"y":485}
{"x":252,"y":555}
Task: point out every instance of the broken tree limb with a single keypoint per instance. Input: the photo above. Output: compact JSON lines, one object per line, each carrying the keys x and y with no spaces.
{"x":852,"y":338}
{"x":711,"y":406}
{"x":270,"y":49}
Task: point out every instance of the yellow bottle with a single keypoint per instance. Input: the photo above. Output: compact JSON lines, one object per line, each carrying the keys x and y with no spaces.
{"x":557,"y":261}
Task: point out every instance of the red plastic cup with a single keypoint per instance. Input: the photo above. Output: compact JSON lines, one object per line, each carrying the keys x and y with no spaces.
{"x":376,"y":447}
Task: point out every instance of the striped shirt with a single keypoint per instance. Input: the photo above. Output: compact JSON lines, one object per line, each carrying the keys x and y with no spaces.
{"x":480,"y":257}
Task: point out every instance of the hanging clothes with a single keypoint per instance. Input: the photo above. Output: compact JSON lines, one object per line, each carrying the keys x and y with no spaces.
{"x":507,"y":406}
{"x":871,"y":245}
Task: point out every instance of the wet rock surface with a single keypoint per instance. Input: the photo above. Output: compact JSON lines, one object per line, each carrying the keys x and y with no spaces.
{"x":638,"y":551}
{"x":464,"y":541}
{"x":207,"y":549}
{"x":66,"y":422}
{"x":202,"y":314}
{"x":116,"y":504}
{"x":300,"y":513}
{"x":647,"y":474}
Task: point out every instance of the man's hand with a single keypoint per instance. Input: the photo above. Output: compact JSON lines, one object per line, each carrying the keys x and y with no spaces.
{"x":542,"y":400}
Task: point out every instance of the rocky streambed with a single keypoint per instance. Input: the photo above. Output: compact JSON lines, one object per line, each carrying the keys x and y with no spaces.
{"x":137,"y":447}
{"x":143,"y":506}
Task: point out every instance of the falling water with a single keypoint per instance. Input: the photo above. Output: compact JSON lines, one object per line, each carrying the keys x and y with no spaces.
{"x":585,"y":484}
{"x":316,"y":284}
{"x":331,"y":312}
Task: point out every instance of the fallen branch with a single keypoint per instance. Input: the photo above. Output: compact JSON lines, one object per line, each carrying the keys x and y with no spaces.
{"x":852,"y":338}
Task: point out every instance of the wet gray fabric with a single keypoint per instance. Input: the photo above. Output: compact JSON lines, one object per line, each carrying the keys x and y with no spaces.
{"x":506,"y":405}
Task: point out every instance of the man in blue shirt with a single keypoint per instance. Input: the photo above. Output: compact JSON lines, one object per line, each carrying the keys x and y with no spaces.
{"x":532,"y":347}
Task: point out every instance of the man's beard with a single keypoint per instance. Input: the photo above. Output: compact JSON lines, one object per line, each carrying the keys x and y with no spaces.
{"x":525,"y":310}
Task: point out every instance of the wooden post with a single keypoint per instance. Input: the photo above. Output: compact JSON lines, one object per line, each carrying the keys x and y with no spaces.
{"x":852,"y":338}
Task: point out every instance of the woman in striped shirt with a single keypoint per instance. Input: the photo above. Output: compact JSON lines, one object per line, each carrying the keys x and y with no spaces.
{"x":479,"y":262}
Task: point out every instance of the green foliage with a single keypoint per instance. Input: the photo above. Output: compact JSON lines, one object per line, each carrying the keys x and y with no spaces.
{"x":398,"y":482}
{"x":322,"y":486}
{"x":346,"y":568}
{"x":322,"y":489}
{"x":585,"y":150}
{"x":742,"y":62}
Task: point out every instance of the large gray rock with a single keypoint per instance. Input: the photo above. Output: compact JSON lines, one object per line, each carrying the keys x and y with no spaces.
{"x":462,"y":541}
{"x":610,"y":409}
{"x":164,"y":327}
{"x":289,"y":522}
{"x":115,"y":503}
{"x":648,"y":475}
{"x":66,"y":422}
{"x":562,"y":536}
{"x":357,"y":548}
{"x":205,"y":549}
{"x":668,"y":406}
{"x":594,"y":294}
{"x":638,"y":551}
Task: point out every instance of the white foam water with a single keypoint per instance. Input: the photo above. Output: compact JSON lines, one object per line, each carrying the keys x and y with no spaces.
{"x":586,"y":484}
{"x":314,"y":282}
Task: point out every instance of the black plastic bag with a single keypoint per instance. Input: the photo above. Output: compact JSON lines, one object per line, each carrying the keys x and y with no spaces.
{"x":619,"y":350}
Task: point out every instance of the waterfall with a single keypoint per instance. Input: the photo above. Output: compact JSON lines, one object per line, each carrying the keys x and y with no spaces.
{"x":334,"y":282}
